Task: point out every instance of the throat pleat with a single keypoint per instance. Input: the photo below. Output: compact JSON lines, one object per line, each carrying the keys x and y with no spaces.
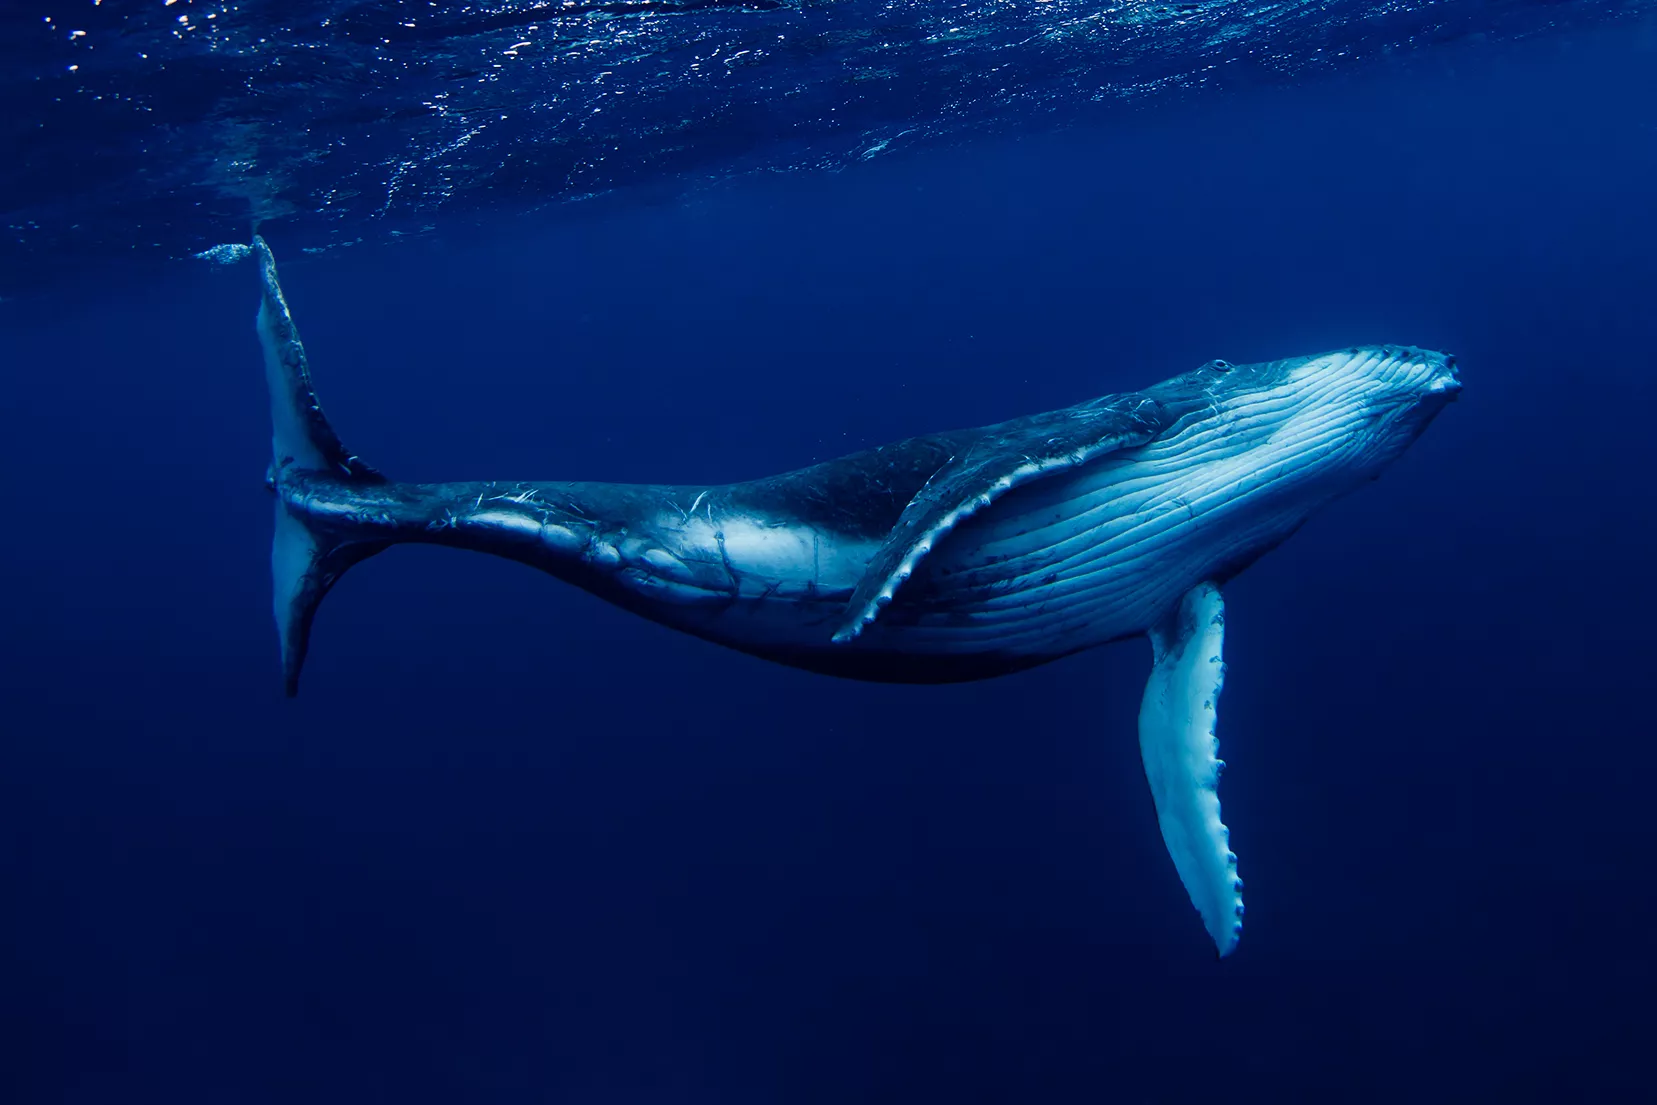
{"x":1099,"y":553}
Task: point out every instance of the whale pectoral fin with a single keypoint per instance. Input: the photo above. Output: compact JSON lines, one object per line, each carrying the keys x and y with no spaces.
{"x":1177,"y":742}
{"x":1004,"y":457}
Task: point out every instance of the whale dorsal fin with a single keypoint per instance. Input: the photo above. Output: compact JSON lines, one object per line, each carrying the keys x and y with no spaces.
{"x":1000,"y":458}
{"x":1176,"y":740}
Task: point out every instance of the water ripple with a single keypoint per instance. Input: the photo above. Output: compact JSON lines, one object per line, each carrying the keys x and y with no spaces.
{"x":164,"y":126}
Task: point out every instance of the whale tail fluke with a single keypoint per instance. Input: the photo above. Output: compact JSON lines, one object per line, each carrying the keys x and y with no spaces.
{"x":309,"y":552}
{"x":305,"y":563}
{"x":300,"y":434}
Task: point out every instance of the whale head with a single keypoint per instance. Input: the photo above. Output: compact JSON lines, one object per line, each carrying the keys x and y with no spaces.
{"x":1256,"y":449}
{"x":1397,"y":390}
{"x":1337,"y":417}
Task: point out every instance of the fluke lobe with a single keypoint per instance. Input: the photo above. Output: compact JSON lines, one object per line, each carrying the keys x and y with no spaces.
{"x":948,"y":557}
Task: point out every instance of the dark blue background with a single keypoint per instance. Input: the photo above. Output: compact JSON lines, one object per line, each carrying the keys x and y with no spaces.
{"x":513,"y":845}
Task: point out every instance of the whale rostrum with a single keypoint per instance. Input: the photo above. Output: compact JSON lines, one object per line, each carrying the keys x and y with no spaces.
{"x":947,"y":557}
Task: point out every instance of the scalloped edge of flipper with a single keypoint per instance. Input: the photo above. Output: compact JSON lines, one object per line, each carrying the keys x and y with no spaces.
{"x":1178,"y":744}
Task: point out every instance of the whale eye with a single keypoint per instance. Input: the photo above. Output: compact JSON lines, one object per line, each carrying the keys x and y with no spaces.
{"x":1218,"y":365}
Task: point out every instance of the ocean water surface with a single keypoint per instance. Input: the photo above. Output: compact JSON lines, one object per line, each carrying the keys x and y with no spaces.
{"x":512,"y":844}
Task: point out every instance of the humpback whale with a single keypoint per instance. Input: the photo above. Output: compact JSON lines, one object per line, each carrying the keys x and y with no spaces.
{"x":947,"y":557}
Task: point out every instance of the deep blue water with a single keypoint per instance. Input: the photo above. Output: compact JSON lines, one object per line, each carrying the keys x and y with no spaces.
{"x":512,"y":844}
